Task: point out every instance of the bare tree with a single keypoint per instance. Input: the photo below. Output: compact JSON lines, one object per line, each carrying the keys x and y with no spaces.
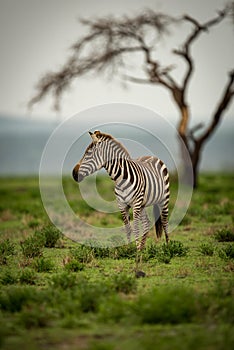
{"x":110,"y":45}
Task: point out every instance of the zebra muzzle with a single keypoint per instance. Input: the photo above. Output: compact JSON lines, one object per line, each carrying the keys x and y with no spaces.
{"x":75,"y":173}
{"x":80,"y":177}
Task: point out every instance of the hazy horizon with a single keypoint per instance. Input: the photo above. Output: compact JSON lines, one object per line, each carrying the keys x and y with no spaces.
{"x":22,"y":142}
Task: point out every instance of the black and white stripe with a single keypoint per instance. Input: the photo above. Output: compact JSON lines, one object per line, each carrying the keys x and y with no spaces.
{"x":139,"y":183}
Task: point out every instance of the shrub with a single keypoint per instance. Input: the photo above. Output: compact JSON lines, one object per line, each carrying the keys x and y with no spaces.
{"x":220,"y":301}
{"x":32,"y":246}
{"x":34,"y":223}
{"x":167,"y":305}
{"x":124,"y":252}
{"x":82,"y":253}
{"x":74,"y":266}
{"x":227,"y":252}
{"x":50,"y":235}
{"x":7,"y":249}
{"x":154,"y":251}
{"x":42,"y":264}
{"x":124,"y":283}
{"x":91,"y":294}
{"x":164,"y":256}
{"x":27,"y":276}
{"x":86,"y":253}
{"x":14,"y":298}
{"x":63,"y":280}
{"x":174,"y":248}
{"x":8,"y":277}
{"x":151,"y":250}
{"x":165,"y":252}
{"x":89,"y":298}
{"x":224,"y":235}
{"x":34,"y":316}
{"x":207,"y":249}
{"x":101,"y":252}
{"x":114,"y":309}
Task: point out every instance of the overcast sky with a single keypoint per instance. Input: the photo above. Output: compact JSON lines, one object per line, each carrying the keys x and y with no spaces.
{"x":35,"y":36}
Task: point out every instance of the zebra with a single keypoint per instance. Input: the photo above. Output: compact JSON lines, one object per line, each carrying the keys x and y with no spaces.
{"x":139,"y":183}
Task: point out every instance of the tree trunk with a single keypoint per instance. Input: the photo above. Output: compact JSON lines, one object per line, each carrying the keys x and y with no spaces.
{"x":190,"y":156}
{"x":186,"y":158}
{"x":195,"y":158}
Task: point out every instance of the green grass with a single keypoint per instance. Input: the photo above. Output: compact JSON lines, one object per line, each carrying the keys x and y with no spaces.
{"x":56,"y":294}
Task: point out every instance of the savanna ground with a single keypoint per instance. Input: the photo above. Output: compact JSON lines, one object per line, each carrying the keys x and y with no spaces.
{"x":58,"y":294}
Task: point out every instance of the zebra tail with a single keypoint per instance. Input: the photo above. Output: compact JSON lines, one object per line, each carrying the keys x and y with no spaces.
{"x":158,"y":221}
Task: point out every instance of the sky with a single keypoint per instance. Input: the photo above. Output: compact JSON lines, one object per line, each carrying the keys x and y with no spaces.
{"x":35,"y":37}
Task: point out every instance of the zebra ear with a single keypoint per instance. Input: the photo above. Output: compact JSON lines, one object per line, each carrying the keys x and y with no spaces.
{"x":94,"y":137}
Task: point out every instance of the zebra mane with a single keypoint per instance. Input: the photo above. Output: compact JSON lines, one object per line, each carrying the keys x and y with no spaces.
{"x":105,"y":137}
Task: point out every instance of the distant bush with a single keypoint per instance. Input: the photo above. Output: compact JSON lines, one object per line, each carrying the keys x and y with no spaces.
{"x":165,"y":252}
{"x":32,"y":246}
{"x":100,"y":252}
{"x":89,"y":251}
{"x":227,"y":252}
{"x":164,"y":256}
{"x":207,"y":249}
{"x":42,"y":264}
{"x":74,"y":266}
{"x":82,"y":253}
{"x":124,"y":252}
{"x":174,"y":249}
{"x":224,"y":235}
{"x":34,"y":223}
{"x":49,"y":235}
{"x":7,"y":249}
{"x":63,"y":280}
{"x":151,"y":250}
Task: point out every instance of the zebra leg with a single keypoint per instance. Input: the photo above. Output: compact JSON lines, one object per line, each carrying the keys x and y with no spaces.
{"x":146,"y":226}
{"x":126,"y":219}
{"x":137,"y":217}
{"x":137,"y":212}
{"x":164,"y":218}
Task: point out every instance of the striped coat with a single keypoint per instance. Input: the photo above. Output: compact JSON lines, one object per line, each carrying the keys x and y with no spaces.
{"x":139,"y":183}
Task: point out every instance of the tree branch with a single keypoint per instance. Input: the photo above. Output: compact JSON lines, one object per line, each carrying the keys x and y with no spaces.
{"x":106,"y":45}
{"x":57,"y":82}
{"x":222,"y":106}
{"x":195,"y":129}
{"x":136,"y":79}
{"x":185,"y":52}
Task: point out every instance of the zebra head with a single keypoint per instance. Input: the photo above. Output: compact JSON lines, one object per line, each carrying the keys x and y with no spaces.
{"x":92,"y":159}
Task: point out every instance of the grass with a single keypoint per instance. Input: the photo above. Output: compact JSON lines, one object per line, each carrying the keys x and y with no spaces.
{"x":56,"y":294}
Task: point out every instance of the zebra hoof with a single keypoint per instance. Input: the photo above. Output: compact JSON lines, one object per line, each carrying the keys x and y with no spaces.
{"x":140,"y":274}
